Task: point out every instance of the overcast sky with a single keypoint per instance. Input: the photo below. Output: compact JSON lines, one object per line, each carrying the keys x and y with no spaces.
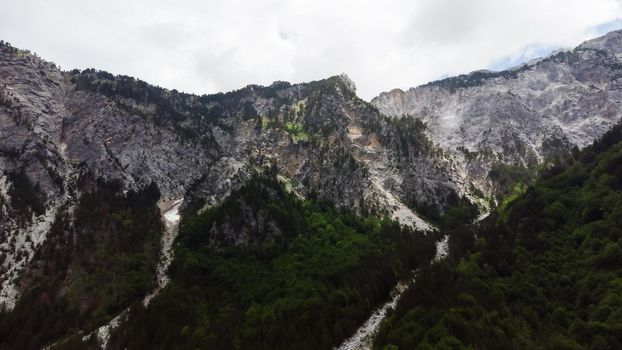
{"x":221,"y":45}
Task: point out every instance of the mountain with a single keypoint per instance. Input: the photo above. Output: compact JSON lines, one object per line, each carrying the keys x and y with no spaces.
{"x":91,"y":162}
{"x":521,"y":116}
{"x":545,"y":272}
{"x":61,"y":127}
{"x":298,"y":272}
{"x":100,"y":173}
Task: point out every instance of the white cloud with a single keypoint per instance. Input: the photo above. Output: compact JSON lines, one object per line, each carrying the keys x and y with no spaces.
{"x":220,"y":45}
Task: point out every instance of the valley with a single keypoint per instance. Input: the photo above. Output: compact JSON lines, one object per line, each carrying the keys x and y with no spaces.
{"x":455,"y":214}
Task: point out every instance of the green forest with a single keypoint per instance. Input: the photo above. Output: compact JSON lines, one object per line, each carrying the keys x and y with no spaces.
{"x":89,"y":269}
{"x":266,"y":269}
{"x":543,"y":272}
{"x":481,"y":211}
{"x":308,"y":287}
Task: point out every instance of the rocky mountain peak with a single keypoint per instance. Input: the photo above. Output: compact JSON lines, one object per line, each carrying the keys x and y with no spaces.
{"x":348,"y":82}
{"x":610,"y":42}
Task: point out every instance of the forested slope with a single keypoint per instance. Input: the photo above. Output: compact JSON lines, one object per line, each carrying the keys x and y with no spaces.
{"x":544,"y":272}
{"x":267,"y":270}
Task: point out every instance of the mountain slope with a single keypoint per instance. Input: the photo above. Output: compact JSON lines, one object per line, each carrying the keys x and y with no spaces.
{"x":287,"y":272}
{"x":543,"y":273}
{"x":90,"y":162}
{"x":69,"y":137}
{"x":522,"y":115}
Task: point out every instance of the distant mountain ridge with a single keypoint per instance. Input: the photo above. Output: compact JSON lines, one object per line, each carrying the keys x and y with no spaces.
{"x":522,"y":115}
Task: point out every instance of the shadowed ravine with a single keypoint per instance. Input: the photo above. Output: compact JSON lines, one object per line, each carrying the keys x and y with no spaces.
{"x":170,"y":217}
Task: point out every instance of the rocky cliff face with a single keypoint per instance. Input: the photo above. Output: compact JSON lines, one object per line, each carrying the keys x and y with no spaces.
{"x":52,"y":135}
{"x":59,"y":128}
{"x":522,"y":115}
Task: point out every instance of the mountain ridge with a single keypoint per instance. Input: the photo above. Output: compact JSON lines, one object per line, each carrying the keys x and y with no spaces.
{"x":62,"y":127}
{"x":519,"y":116}
{"x":88,"y":157}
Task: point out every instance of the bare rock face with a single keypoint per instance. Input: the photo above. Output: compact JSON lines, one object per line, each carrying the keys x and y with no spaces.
{"x":521,"y":115}
{"x":325,"y":141}
{"x":612,"y":43}
{"x":51,"y":134}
